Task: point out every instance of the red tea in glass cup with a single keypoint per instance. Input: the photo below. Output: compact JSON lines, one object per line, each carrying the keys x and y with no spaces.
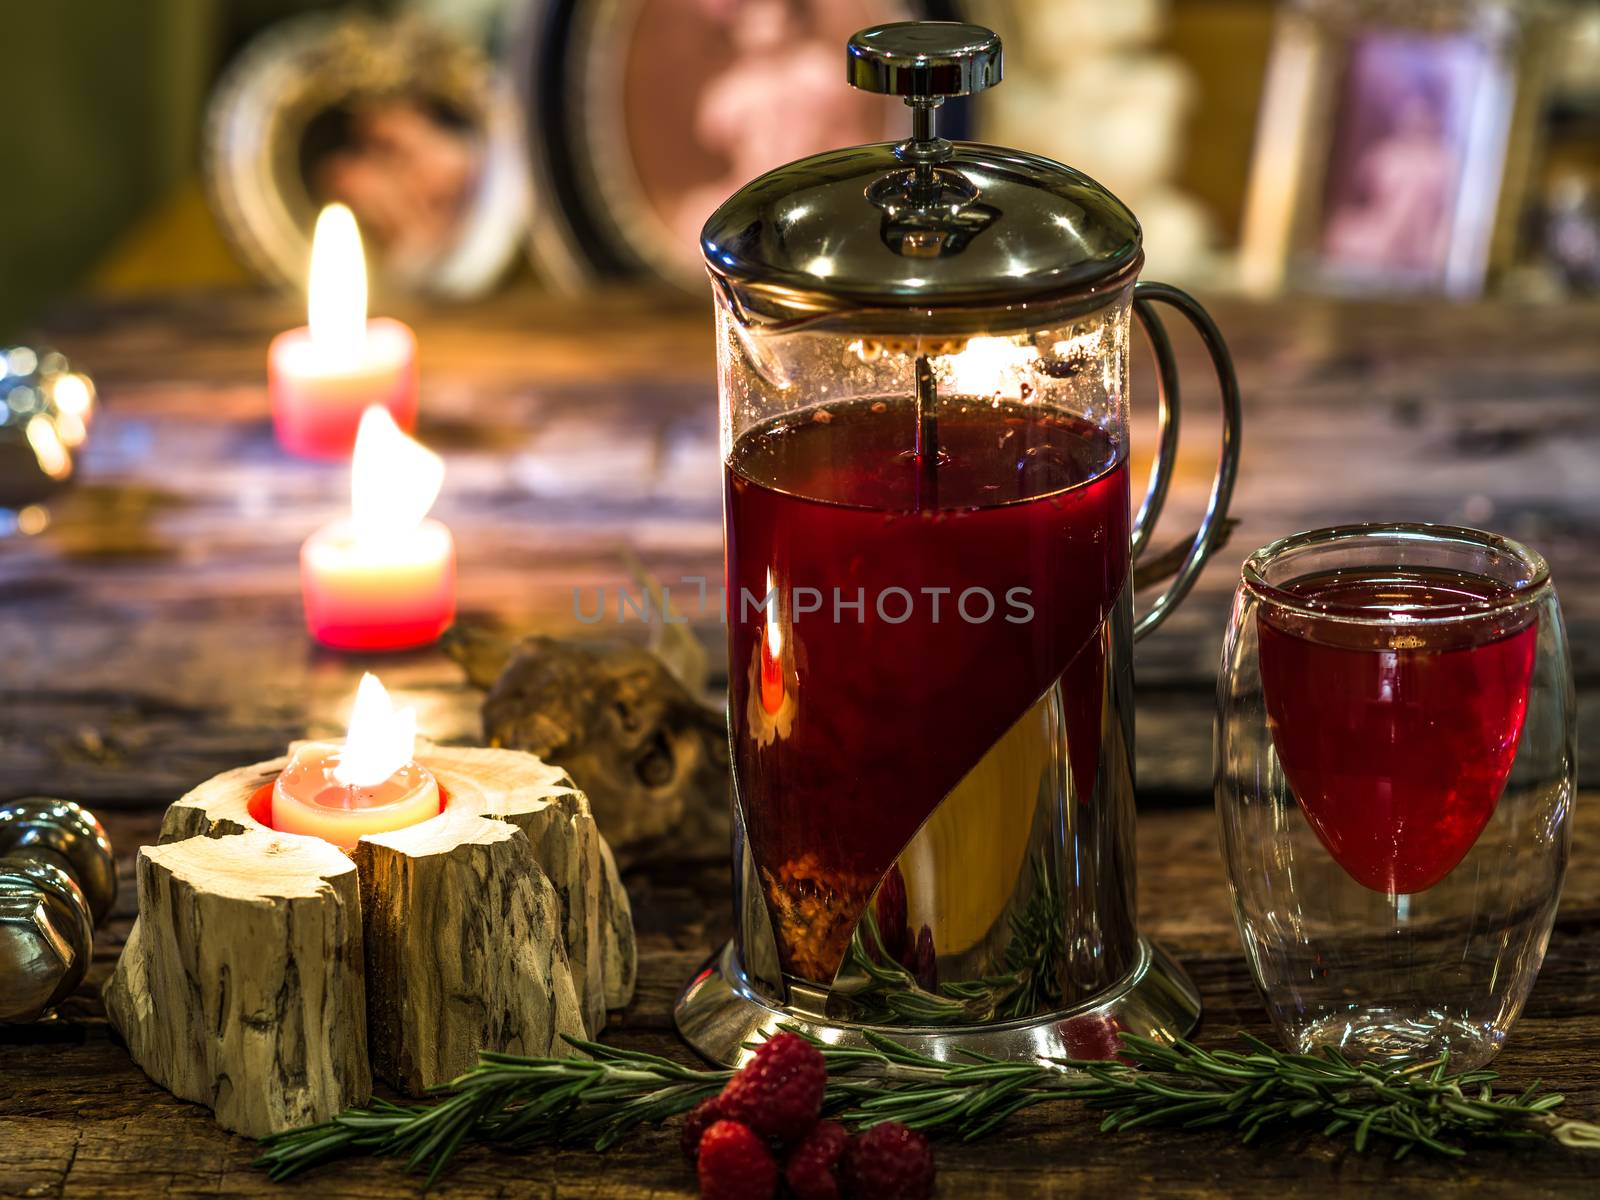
{"x":1396,"y":738}
{"x":1395,"y":775}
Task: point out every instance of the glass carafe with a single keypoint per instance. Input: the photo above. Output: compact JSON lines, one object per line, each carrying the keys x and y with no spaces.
{"x":923,"y":354}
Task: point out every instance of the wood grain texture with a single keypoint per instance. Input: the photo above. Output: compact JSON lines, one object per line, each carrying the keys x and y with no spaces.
{"x":555,"y":821}
{"x":500,"y":924}
{"x":151,"y":638}
{"x":464,"y":950}
{"x":80,"y":1120}
{"x":518,"y":792}
{"x":241,"y":984}
{"x":509,"y":787}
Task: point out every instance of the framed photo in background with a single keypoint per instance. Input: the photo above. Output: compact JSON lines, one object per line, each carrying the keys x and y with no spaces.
{"x":643,"y":115}
{"x":400,"y":119}
{"x":1390,"y":148}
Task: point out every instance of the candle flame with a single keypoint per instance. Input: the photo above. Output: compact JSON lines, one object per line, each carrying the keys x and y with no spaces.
{"x":379,"y":740}
{"x":336,"y":293}
{"x":394,"y":480}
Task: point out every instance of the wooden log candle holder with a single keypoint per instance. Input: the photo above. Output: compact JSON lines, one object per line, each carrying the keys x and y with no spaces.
{"x":270,"y":975}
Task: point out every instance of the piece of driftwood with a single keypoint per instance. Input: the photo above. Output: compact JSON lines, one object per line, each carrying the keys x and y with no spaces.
{"x":500,"y":925}
{"x":618,"y":941}
{"x":538,"y":798}
{"x":464,"y":950}
{"x":508,"y":792}
{"x":241,"y":985}
{"x":651,"y":757}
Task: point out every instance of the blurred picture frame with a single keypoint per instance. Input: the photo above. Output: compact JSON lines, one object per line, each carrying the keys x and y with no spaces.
{"x":643,"y":115}
{"x":401,"y":119}
{"x":1391,"y":150}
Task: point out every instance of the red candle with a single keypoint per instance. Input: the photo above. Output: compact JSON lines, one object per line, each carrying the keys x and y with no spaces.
{"x":385,"y":578}
{"x":323,"y":376}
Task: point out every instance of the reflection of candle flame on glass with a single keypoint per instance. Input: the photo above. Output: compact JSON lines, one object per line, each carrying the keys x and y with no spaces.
{"x":336,"y":292}
{"x":772,"y":655}
{"x":987,"y":366}
{"x":1078,"y":346}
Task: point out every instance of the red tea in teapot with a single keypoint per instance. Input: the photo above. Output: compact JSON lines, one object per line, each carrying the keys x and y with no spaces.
{"x":902,"y":639}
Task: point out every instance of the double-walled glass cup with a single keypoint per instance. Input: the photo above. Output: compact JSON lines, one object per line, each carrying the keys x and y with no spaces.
{"x":1395,"y":773}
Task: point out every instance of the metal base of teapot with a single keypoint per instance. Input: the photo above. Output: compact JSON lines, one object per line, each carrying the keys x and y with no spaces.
{"x":720,"y":1014}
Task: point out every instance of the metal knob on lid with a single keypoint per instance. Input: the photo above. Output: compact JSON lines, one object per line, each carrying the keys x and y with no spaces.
{"x":923,"y":60}
{"x":57,"y":881}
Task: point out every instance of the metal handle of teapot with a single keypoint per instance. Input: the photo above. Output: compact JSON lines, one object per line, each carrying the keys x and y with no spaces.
{"x":1206,"y":539}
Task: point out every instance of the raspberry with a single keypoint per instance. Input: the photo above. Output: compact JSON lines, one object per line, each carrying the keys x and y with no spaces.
{"x":812,"y":1169}
{"x":735,"y":1164}
{"x":1089,"y":1036}
{"x":701,"y":1117}
{"x":888,"y":1162}
{"x":779,"y":1091}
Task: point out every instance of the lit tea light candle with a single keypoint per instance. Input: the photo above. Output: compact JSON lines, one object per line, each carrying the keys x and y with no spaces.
{"x":368,"y":785}
{"x":323,"y":376}
{"x":385,"y":578}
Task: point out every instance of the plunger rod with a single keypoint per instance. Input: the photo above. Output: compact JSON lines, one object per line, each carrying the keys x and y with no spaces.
{"x":927,"y":435}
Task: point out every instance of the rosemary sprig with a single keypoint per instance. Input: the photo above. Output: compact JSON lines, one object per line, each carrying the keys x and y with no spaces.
{"x":1033,"y":953}
{"x":519,"y":1103}
{"x":882,"y":992}
{"x":510,"y":1101}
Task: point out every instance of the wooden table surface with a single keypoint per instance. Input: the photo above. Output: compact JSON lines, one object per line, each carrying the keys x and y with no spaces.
{"x":151,"y":636}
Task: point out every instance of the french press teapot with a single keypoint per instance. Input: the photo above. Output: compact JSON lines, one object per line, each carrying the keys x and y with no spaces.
{"x":923,"y":366}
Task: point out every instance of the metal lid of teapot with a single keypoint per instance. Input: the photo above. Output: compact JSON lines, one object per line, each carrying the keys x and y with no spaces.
{"x":924,"y":224}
